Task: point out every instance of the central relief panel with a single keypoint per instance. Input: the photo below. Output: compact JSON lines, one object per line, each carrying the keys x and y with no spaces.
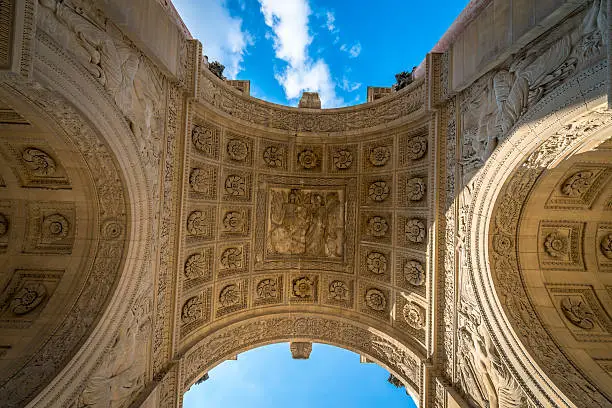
{"x":305,"y":223}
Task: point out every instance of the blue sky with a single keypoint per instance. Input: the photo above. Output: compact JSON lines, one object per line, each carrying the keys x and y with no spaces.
{"x":336,"y":48}
{"x":267,"y":377}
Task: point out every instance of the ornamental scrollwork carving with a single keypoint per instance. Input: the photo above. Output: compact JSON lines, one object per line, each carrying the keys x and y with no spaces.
{"x":267,"y":289}
{"x":577,"y":312}
{"x":230,"y":295}
{"x":577,"y":184}
{"x":38,"y":162}
{"x":338,"y":291}
{"x":235,"y":185}
{"x":192,"y":309}
{"x":197,"y":224}
{"x":233,"y":221}
{"x":232,"y":258}
{"x":205,"y":139}
{"x":28,"y":298}
{"x":274,"y":156}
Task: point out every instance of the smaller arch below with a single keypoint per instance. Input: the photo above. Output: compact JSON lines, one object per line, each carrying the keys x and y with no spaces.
{"x":247,"y":334}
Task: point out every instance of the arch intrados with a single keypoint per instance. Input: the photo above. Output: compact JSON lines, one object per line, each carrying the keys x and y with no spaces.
{"x":394,"y":359}
{"x":547,"y":118}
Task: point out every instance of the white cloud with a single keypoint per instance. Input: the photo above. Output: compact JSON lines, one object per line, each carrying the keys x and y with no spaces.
{"x":329,"y":22}
{"x":353,"y":51}
{"x":349,"y":86}
{"x":288,"y":19}
{"x":222,"y":36}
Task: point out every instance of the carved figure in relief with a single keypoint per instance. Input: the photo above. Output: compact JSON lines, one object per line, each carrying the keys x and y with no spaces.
{"x":305,"y":222}
{"x":498,"y":101}
{"x":121,"y":374}
{"x":482,"y":373}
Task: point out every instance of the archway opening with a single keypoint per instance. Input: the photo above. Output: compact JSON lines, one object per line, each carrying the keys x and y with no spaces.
{"x":300,"y":375}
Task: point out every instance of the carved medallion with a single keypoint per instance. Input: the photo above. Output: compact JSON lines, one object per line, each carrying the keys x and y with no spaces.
{"x":377,"y":262}
{"x":414,"y":315}
{"x":414,"y":272}
{"x":230,"y":295}
{"x":379,"y":156}
{"x":343,"y":159}
{"x":605,"y":246}
{"x":197,"y":224}
{"x":195,"y":266}
{"x":267,"y":289}
{"x":55,"y":227}
{"x":192,"y":309}
{"x":4,"y":225}
{"x":232,"y":258}
{"x":39,"y":163}
{"x":112,"y":229}
{"x":555,"y":245}
{"x":375,"y":300}
{"x":233,"y":221}
{"x":417,"y":147}
{"x":377,"y":226}
{"x":415,"y":189}
{"x":338,"y":290}
{"x":303,"y":288}
{"x":273,"y":156}
{"x":205,"y":139}
{"x":237,"y":150}
{"x":577,"y":184}
{"x":235,"y":186}
{"x":378,"y":191}
{"x":308,"y":159}
{"x":414,"y":230}
{"x":28,"y":298}
{"x":577,"y":312}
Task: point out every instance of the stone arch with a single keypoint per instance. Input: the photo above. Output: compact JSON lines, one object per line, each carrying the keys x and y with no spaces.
{"x":115,"y":215}
{"x":249,"y":333}
{"x":555,"y":128}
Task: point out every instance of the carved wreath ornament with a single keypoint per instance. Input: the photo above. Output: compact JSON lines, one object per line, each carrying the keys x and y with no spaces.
{"x":377,"y":262}
{"x":375,"y":300}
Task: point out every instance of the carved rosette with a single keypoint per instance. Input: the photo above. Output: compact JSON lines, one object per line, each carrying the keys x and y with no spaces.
{"x":577,"y":184}
{"x":414,"y":315}
{"x":338,"y":291}
{"x":343,"y":159}
{"x":375,"y":300}
{"x":237,"y":150}
{"x":376,"y":262}
{"x":414,"y":273}
{"x":205,"y":139}
{"x":235,"y":186}
{"x":197,"y":224}
{"x":605,"y":245}
{"x":377,"y":226}
{"x":308,"y":159}
{"x":417,"y":147}
{"x":415,"y":189}
{"x":303,"y":288}
{"x":379,"y":156}
{"x":414,"y":229}
{"x":555,"y":245}
{"x":378,"y":191}
{"x":230,"y":295}
{"x":273,"y":156}
{"x":55,"y":227}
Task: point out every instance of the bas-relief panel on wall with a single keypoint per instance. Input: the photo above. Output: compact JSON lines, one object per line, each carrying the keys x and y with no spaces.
{"x":305,"y":223}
